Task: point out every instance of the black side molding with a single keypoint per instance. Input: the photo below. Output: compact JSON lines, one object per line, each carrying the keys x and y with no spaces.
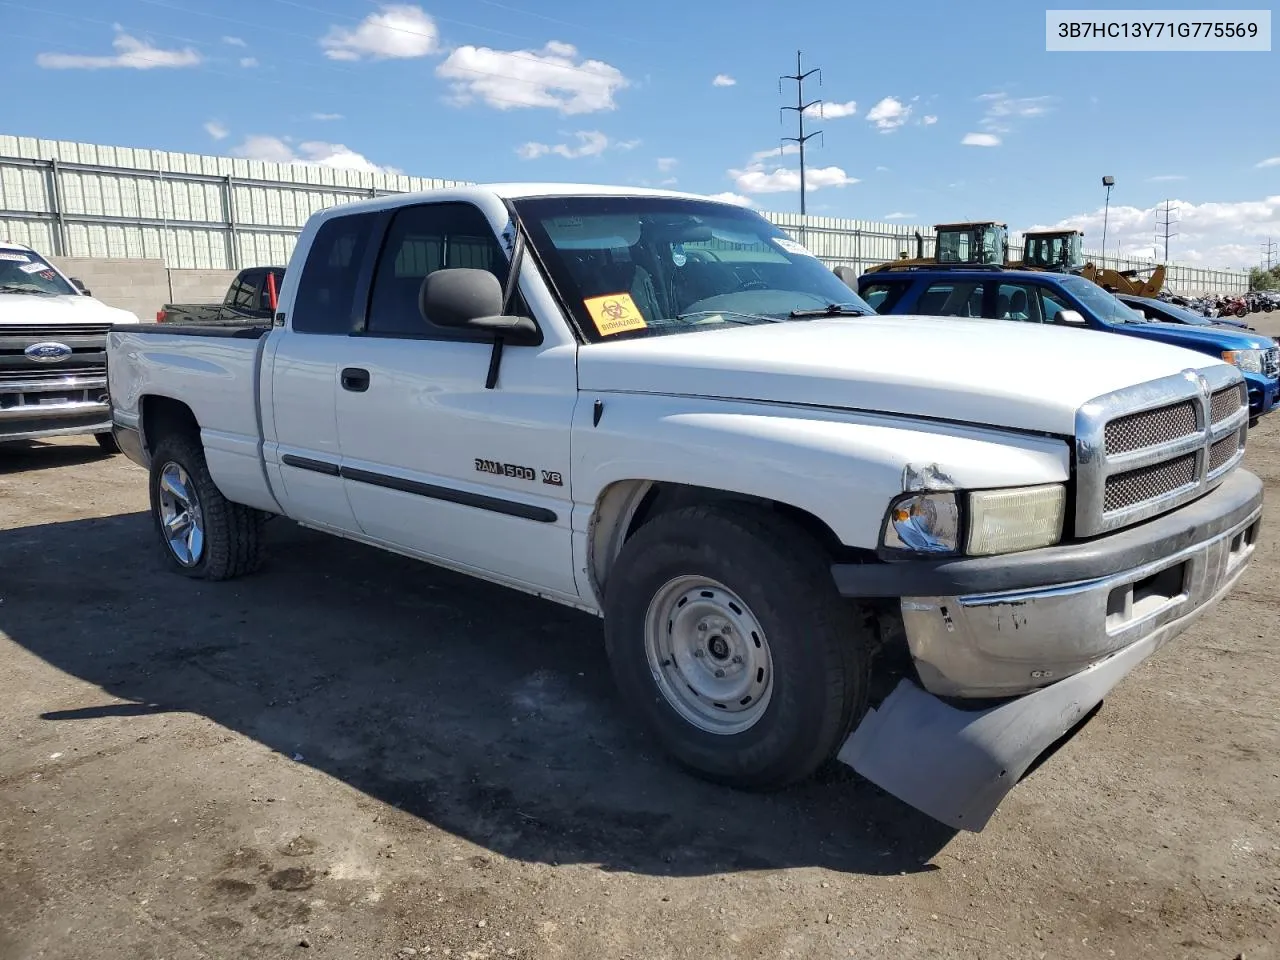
{"x":306,"y":463}
{"x":228,"y":331}
{"x":465,"y":498}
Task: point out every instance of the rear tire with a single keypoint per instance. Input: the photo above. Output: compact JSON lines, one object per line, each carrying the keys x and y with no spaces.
{"x":726,"y":633}
{"x":107,"y":442}
{"x":202,"y":534}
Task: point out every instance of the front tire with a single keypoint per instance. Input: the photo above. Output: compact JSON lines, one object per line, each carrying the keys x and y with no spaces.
{"x":725,"y":631}
{"x":202,"y":533}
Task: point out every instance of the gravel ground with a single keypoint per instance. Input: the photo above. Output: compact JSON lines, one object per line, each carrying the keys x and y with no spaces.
{"x":352,"y":755}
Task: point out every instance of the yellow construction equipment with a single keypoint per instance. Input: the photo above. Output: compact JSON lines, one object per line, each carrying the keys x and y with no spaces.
{"x":978,"y":242}
{"x":1063,"y":250}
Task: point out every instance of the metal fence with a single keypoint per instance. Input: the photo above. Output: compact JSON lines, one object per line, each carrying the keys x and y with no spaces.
{"x":205,"y":212}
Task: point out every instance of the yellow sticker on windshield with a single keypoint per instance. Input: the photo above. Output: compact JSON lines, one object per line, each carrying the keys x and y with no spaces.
{"x":615,"y":313}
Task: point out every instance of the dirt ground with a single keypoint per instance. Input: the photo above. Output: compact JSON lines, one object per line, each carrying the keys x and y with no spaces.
{"x":356,"y":756}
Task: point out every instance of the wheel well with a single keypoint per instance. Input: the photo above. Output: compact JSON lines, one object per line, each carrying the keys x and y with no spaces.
{"x":164,"y":416}
{"x":624,"y":508}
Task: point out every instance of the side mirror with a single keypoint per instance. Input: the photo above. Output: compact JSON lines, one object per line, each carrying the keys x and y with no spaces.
{"x":848,"y":276}
{"x":1070,"y":316}
{"x":472,"y":299}
{"x":79,"y":285}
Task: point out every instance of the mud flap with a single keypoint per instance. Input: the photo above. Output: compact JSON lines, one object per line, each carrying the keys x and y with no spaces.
{"x":957,"y":765}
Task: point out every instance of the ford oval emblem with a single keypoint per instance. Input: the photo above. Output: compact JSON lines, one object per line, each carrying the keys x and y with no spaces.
{"x":48,"y":352}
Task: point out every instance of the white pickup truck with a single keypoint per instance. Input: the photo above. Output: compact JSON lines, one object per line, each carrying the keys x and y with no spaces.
{"x":53,"y":334}
{"x":925,"y":546}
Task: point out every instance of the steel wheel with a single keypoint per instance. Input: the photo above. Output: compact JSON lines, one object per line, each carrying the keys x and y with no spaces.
{"x":708,"y":655}
{"x":180,"y":517}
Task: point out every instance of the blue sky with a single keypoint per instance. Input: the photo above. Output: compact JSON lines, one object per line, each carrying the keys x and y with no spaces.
{"x":611,"y":92}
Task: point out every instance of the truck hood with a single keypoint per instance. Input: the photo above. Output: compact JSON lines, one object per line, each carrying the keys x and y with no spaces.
{"x":1015,"y":375}
{"x":35,"y":308}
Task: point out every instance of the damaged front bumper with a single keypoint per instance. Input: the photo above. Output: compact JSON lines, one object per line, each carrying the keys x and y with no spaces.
{"x":1053,"y":629}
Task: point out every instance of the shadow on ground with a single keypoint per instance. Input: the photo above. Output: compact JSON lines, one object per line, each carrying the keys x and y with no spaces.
{"x":485,"y":712}
{"x":23,"y":456}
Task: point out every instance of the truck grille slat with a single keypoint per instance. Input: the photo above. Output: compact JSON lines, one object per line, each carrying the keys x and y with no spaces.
{"x":1271,"y":362}
{"x":1147,"y":449}
{"x":1151,"y":428}
{"x":1149,"y":483}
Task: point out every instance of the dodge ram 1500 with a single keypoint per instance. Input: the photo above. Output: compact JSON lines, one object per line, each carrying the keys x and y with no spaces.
{"x":925,"y":546}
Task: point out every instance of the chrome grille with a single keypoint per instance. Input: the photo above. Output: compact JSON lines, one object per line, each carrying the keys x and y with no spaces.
{"x":87,"y":343}
{"x":1226,"y":402}
{"x":1148,"y":483}
{"x":1147,"y":449}
{"x":1271,"y":362}
{"x":1221,"y":452}
{"x":1151,"y":428}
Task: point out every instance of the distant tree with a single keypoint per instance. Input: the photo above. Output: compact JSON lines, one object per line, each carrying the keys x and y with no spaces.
{"x":1260,"y":279}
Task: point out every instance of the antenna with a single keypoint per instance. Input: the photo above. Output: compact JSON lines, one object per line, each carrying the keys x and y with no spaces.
{"x":800,"y":76}
{"x":1167,"y":225}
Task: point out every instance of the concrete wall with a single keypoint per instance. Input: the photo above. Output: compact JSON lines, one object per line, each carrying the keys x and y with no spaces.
{"x":143,"y":286}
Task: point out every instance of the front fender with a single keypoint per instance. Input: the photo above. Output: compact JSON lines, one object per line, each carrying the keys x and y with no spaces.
{"x":843,"y":467}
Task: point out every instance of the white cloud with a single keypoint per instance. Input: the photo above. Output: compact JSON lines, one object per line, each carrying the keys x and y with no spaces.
{"x":898,"y":215}
{"x":1269,"y":162}
{"x":929,"y":120}
{"x":396,"y":31}
{"x":667,"y":164}
{"x":786,"y":150}
{"x":889,"y":114}
{"x":248,"y":61}
{"x":131,"y":53}
{"x":882,"y":169}
{"x":216,"y":130}
{"x":723,"y":80}
{"x":1002,"y":109}
{"x":783,"y":180}
{"x":1222,"y":235}
{"x":326,"y":116}
{"x":591,"y":143}
{"x":626,"y":145}
{"x":730,"y":197}
{"x":1166,"y":178}
{"x":980,"y":140}
{"x":552,"y":77}
{"x":234,"y":42}
{"x":336,"y":155}
{"x":832,"y":111}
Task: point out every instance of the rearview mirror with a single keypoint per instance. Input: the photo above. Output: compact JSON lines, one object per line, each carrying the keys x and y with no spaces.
{"x":847,"y":275}
{"x":79,"y":285}
{"x":1069,"y":316}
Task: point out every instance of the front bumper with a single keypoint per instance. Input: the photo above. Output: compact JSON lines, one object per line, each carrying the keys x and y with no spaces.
{"x":1055,"y":628}
{"x":62,"y":406}
{"x":1264,"y":394}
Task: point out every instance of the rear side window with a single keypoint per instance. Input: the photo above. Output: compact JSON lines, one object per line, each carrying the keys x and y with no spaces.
{"x":884,"y":296}
{"x":327,"y":290}
{"x":961,"y":298}
{"x":247,"y":295}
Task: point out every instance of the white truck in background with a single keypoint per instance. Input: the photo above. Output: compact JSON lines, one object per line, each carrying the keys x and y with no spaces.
{"x":661,"y":409}
{"x":53,"y":335}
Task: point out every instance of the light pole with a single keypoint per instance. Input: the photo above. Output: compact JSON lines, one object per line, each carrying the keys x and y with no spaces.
{"x":1107,"y":182}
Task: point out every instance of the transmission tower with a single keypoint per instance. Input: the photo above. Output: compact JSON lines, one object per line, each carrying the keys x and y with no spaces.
{"x":1164,"y":228}
{"x":799,"y":77}
{"x":1268,"y":252}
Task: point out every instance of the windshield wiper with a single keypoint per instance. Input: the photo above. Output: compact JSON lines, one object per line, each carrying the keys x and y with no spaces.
{"x":831,"y":310}
{"x":13,"y":288}
{"x":730,"y":316}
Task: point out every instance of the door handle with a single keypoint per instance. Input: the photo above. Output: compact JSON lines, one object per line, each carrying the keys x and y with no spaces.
{"x":355,"y":379}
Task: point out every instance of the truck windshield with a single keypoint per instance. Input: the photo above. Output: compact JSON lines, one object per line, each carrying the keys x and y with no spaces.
{"x":24,"y":271}
{"x":1101,"y":303}
{"x":647,"y":266}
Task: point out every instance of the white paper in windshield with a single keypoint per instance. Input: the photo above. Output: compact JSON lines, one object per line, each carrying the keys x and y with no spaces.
{"x":15,"y":257}
{"x":35,"y":267}
{"x":790,"y":246}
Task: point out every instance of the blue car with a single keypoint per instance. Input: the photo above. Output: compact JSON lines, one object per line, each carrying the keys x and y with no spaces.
{"x":1166,"y":312}
{"x":1068,"y":300}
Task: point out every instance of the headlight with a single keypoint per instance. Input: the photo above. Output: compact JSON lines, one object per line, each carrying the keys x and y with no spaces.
{"x":1005,"y":521}
{"x":1250,"y":361}
{"x":983,"y":522}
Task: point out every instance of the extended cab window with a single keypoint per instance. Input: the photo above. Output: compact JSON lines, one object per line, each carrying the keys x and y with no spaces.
{"x":327,"y":291}
{"x":884,"y":295}
{"x":421,"y":240}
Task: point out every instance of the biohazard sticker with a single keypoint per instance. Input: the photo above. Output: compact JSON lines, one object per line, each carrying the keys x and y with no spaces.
{"x":615,"y":313}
